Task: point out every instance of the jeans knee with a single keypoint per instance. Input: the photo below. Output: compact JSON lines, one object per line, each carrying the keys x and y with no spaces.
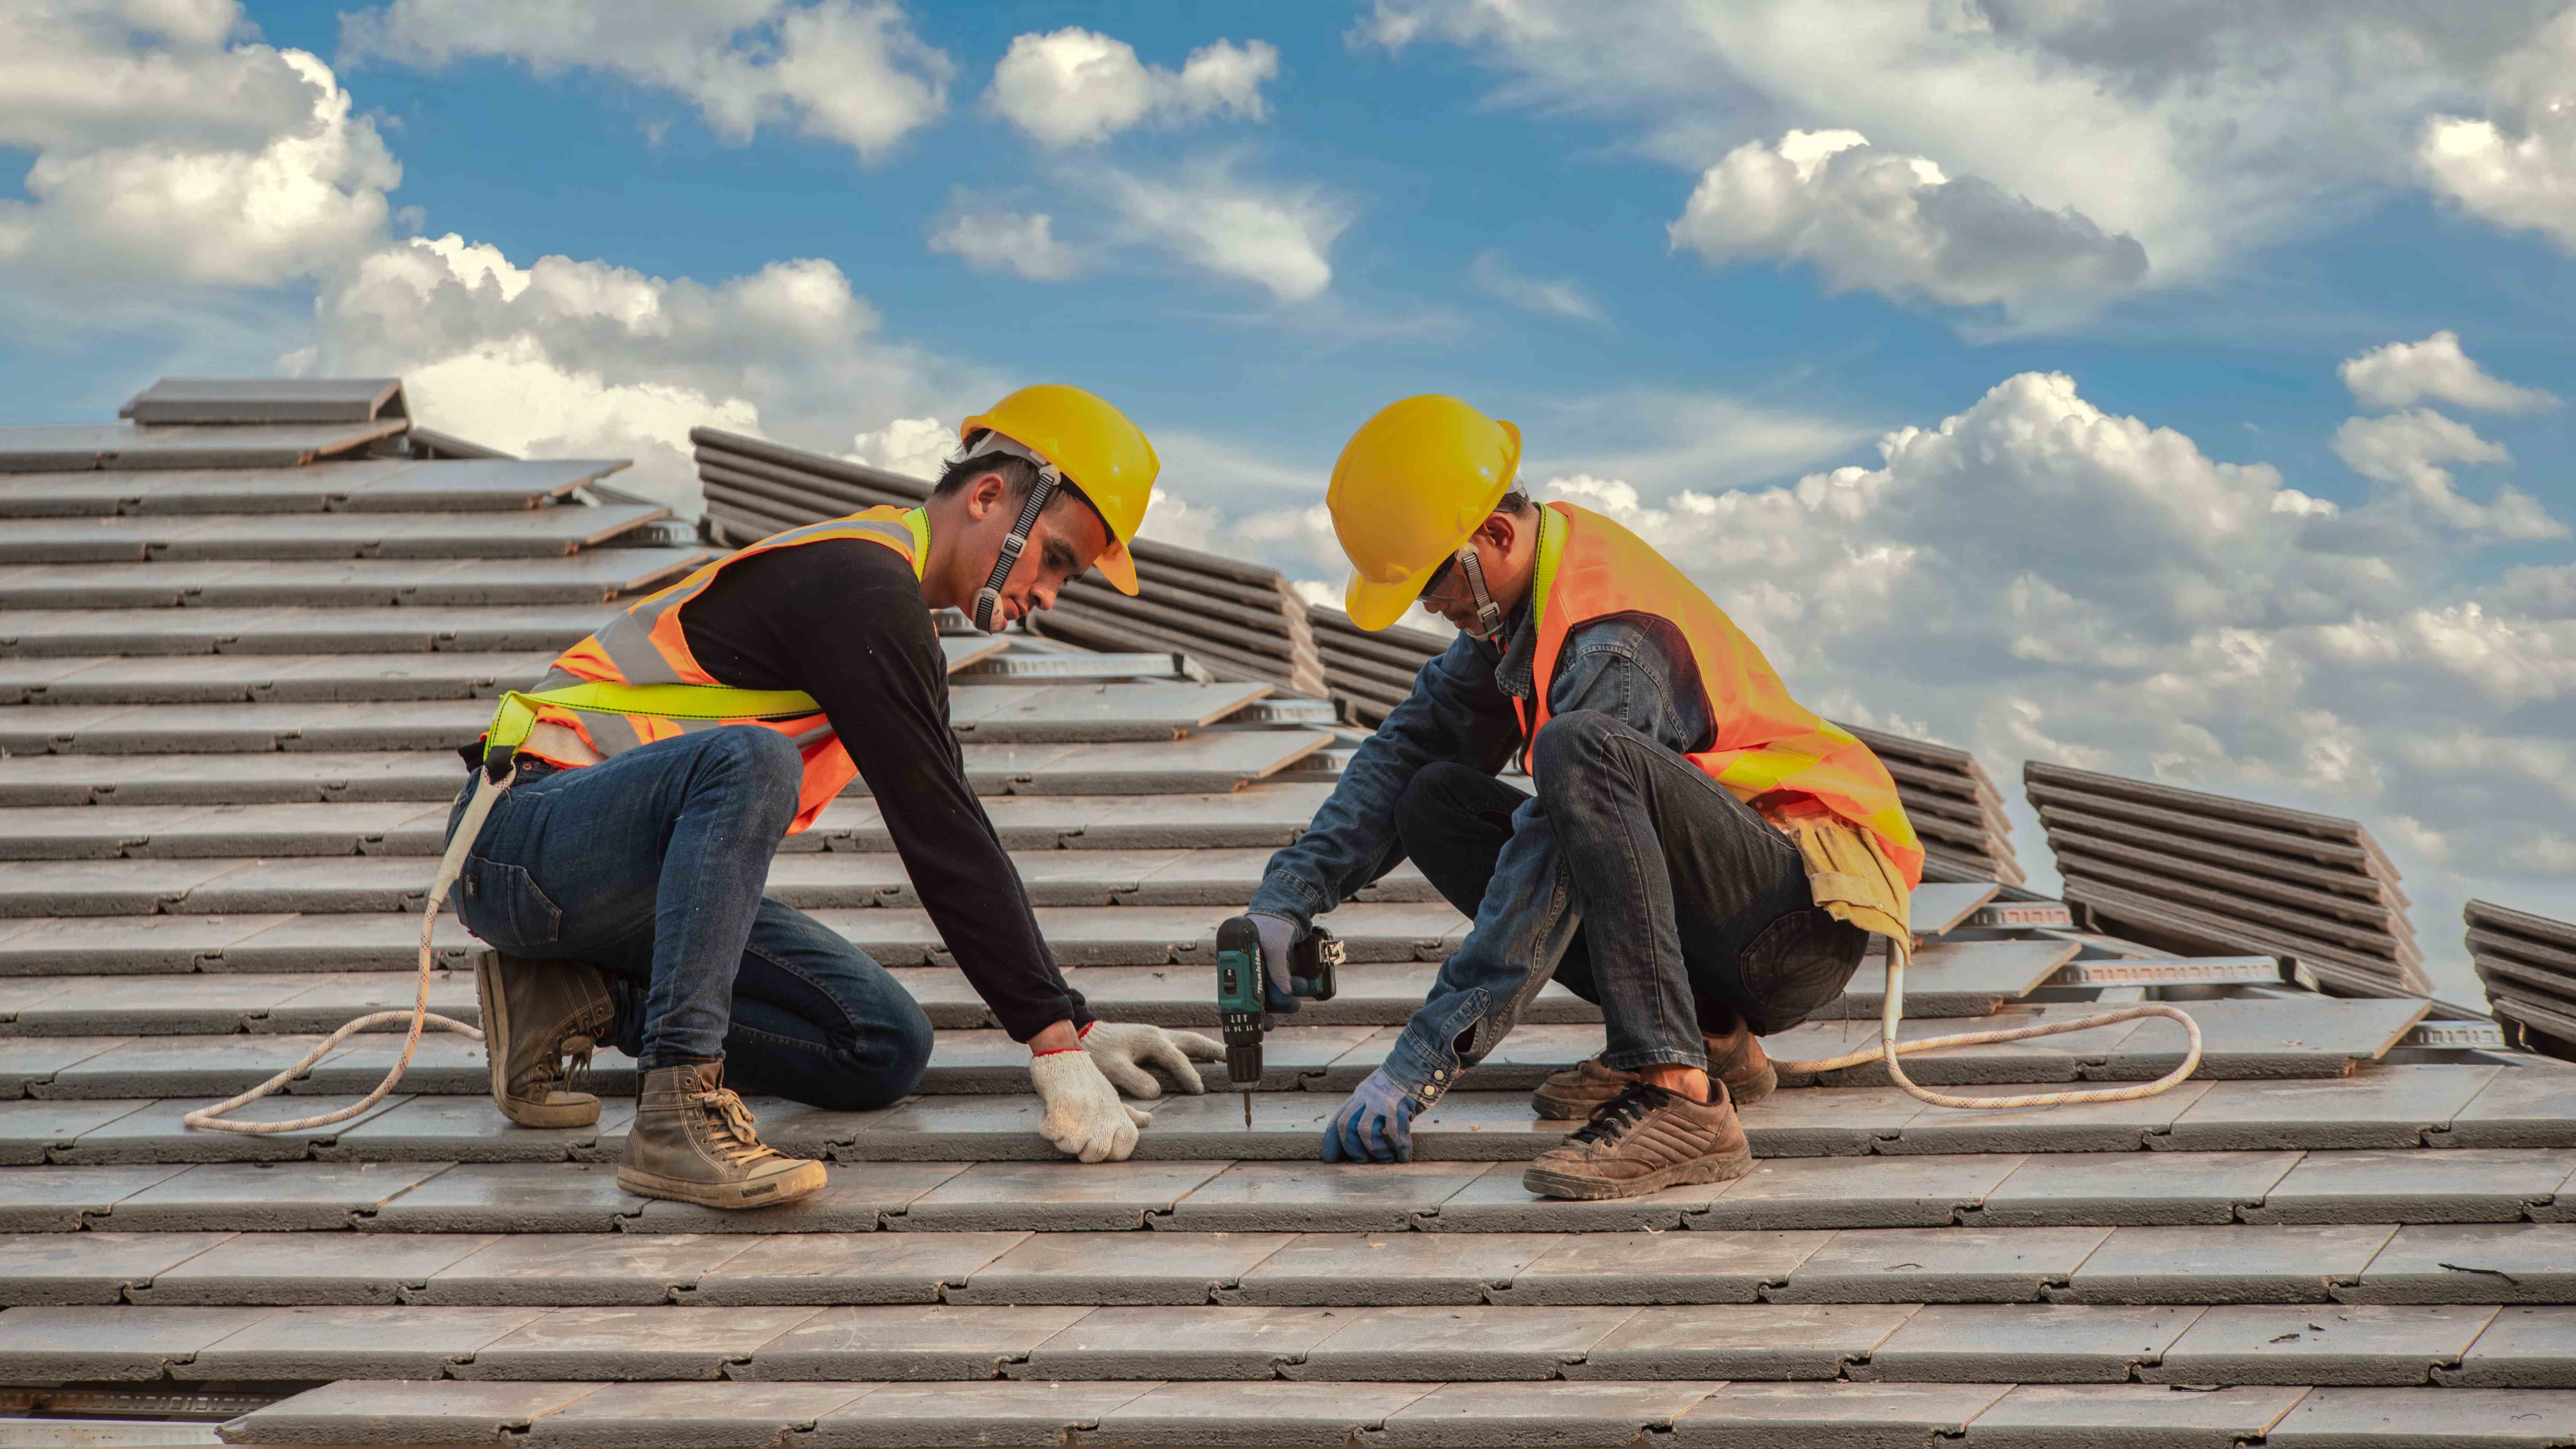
{"x":910,"y":1054}
{"x":764,"y":762}
{"x":1571,"y":746}
{"x":874,"y":1074}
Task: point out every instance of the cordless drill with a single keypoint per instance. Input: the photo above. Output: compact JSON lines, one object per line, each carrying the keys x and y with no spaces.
{"x":1242,"y":992}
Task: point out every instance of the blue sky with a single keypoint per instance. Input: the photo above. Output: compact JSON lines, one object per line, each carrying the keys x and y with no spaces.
{"x":1435,"y":164}
{"x":1653,"y":234}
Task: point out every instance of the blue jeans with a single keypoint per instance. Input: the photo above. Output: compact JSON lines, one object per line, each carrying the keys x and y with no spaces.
{"x":1692,"y":914}
{"x":650,"y":866}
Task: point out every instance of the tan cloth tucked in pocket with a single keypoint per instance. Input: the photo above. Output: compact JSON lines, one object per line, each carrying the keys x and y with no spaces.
{"x":1847,"y":872}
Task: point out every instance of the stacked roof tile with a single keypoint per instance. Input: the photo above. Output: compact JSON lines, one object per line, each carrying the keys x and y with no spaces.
{"x":228,"y":692}
{"x":2528,"y":964}
{"x":2195,"y":871}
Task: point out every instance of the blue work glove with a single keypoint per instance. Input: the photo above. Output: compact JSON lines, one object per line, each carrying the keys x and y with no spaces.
{"x":1278,"y":939}
{"x":1375,"y":1125}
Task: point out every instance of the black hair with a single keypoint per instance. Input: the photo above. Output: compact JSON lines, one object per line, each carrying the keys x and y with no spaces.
{"x":1019,"y":475}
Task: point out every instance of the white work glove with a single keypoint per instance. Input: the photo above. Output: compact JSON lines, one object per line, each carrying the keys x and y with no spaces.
{"x":1122,"y":1051}
{"x":1084,"y":1117}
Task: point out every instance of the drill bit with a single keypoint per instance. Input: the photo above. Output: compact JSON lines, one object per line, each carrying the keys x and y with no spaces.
{"x":1247,"y":1111}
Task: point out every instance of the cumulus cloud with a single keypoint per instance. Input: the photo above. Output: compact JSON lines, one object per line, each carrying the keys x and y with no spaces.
{"x":583,"y":358}
{"x":2408,"y":449}
{"x":2516,"y":166}
{"x":1866,"y":218}
{"x":167,"y":150}
{"x":1075,"y":87}
{"x":2406,"y":372}
{"x":914,"y":447}
{"x":1004,"y":241}
{"x":2201,"y":129}
{"x":1277,"y":235}
{"x":849,"y":71}
{"x":1498,"y":278}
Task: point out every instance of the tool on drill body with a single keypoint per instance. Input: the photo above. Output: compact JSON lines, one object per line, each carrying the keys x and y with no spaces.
{"x":1245,"y":999}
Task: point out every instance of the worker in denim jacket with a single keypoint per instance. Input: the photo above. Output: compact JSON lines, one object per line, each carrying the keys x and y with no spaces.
{"x":1700,"y":854}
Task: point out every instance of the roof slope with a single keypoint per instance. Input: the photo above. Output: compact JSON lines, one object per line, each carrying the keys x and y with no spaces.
{"x":226,"y":701}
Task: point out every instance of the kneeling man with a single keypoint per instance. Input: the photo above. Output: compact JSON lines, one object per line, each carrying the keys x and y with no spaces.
{"x":1704,"y":857}
{"x":661,"y":761}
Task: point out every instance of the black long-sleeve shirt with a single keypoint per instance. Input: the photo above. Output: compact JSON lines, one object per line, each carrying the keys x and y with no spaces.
{"x":843,"y":620}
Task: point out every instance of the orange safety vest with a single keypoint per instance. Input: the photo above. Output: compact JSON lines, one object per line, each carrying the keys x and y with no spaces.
{"x":645,"y":646}
{"x":1766,"y":743}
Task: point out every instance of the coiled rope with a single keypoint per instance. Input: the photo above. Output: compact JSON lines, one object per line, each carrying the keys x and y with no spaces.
{"x":478,"y":808}
{"x":1889,"y":1049}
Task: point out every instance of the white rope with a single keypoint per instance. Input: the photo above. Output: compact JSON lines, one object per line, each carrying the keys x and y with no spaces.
{"x":478,"y":808}
{"x":1889,"y":1049}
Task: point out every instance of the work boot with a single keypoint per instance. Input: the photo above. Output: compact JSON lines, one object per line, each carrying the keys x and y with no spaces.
{"x":536,"y":1014}
{"x":1644,"y":1140}
{"x":1735,"y":1059}
{"x":693,"y":1141}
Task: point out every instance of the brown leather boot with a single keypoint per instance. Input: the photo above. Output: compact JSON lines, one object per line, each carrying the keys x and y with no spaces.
{"x":693,"y":1141}
{"x":1735,"y":1059}
{"x":535,"y":1015}
{"x":1644,"y":1140}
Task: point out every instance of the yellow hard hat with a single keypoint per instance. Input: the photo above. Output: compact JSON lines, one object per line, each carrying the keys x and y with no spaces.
{"x":1096,"y":449}
{"x":1412,"y":485}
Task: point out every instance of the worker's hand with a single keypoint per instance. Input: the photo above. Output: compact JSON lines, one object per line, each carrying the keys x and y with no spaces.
{"x":1084,"y":1117}
{"x":1278,"y":942}
{"x":1375,"y":1125}
{"x":1123,"y":1050}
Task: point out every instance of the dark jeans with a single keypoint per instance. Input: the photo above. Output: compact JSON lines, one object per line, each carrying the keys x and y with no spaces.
{"x":650,"y":865}
{"x":1696,"y":913}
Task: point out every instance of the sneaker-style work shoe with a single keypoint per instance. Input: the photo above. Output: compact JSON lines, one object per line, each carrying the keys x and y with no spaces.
{"x":1735,"y":1059}
{"x":693,"y":1141}
{"x":1644,"y":1140}
{"x":541,"y":1022}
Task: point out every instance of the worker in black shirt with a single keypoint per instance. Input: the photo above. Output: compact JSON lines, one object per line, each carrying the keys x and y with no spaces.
{"x":663,"y":759}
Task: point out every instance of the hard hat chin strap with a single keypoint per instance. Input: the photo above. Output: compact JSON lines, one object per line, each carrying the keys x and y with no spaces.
{"x":988,"y":600}
{"x":1489,"y":615}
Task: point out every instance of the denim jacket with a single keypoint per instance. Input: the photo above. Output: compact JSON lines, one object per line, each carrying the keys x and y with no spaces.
{"x":1633,"y":667}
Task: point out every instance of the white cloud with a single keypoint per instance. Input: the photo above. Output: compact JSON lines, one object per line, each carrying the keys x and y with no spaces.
{"x":2405,"y":372}
{"x":2202,"y":130}
{"x":1276,"y":235}
{"x":166,"y":152}
{"x":2408,"y":449}
{"x":997,"y":241}
{"x":850,"y":71}
{"x":582,"y":358}
{"x":1076,"y":87}
{"x":2517,"y":166}
{"x":1895,"y":224}
{"x":177,"y":159}
{"x":1498,"y":278}
{"x":914,"y":447}
{"x":2035,"y":577}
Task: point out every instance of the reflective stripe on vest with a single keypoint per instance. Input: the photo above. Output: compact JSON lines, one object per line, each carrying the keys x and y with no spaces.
{"x":1589,"y":568}
{"x":635,"y":681}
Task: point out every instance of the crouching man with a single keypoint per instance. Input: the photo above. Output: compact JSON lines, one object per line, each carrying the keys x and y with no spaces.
{"x":1703,"y":857}
{"x":662,"y":760}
